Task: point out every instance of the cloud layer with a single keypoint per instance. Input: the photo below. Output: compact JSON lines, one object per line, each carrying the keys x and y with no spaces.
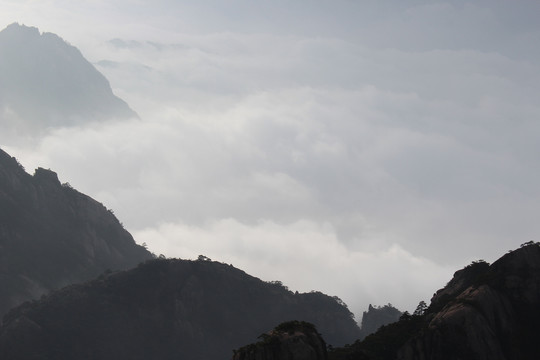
{"x":365,"y":159}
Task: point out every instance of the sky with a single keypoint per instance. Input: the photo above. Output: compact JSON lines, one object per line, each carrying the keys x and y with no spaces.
{"x":364,"y":149}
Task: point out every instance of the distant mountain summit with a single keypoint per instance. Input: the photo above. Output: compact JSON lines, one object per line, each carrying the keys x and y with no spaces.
{"x":51,"y":235}
{"x":377,"y":316}
{"x":46,"y":82}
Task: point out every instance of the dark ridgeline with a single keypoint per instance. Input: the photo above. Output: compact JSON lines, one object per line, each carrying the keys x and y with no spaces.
{"x":51,"y":235}
{"x":46,"y":82}
{"x":164,"y":309}
{"x":484,"y":312}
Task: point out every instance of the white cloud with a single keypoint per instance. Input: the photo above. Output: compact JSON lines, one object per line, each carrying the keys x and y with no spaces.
{"x":324,"y":155}
{"x":306,"y":256}
{"x":304,"y":148}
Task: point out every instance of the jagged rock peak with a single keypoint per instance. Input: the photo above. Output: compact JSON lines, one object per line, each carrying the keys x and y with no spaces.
{"x":46,"y":175}
{"x":377,"y":316}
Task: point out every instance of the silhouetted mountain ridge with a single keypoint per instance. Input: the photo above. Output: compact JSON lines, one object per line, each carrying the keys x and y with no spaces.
{"x":164,"y":309}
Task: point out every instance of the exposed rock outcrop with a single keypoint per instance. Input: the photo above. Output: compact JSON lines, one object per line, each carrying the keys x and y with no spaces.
{"x":292,"y":340}
{"x":52,"y":235}
{"x":495,"y":316}
{"x":484,"y":312}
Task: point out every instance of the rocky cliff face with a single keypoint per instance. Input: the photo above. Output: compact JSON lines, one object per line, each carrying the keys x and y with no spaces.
{"x":484,"y":312}
{"x":45,"y":82}
{"x":293,"y":340}
{"x":52,"y":235}
{"x":165,"y":309}
{"x":493,"y":315}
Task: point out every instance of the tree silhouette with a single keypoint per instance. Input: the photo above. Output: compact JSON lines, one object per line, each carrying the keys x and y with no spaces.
{"x":421,"y":308}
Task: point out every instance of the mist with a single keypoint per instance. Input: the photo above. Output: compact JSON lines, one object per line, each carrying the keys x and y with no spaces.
{"x":360,"y":149}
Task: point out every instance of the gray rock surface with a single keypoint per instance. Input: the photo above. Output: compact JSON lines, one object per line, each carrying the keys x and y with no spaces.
{"x":494,"y":315}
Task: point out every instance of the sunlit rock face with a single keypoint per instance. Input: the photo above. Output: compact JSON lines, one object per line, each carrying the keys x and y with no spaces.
{"x":51,"y":235}
{"x":492,"y":312}
{"x":46,"y":82}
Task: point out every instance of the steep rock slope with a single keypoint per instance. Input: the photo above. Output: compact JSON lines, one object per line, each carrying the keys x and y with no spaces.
{"x":164,"y":309}
{"x":484,"y":312}
{"x":52,"y":235}
{"x":46,"y":82}
{"x":495,"y":317}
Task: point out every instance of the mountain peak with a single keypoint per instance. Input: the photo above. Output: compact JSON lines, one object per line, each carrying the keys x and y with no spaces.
{"x":20,"y":29}
{"x":46,"y":175}
{"x":46,"y":82}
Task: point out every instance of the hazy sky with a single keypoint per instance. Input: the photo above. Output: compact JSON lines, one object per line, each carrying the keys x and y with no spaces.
{"x":366,"y":149}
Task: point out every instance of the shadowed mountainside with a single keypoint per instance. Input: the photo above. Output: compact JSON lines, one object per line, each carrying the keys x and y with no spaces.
{"x":45,"y":82}
{"x":293,"y":340}
{"x":51,"y":235}
{"x":164,"y":309}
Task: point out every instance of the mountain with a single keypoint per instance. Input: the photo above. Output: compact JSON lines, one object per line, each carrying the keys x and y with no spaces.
{"x":497,"y":316}
{"x":164,"y":309}
{"x":46,"y":82}
{"x":51,"y":235}
{"x":484,"y":312}
{"x":292,"y":340}
{"x":377,"y":316}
